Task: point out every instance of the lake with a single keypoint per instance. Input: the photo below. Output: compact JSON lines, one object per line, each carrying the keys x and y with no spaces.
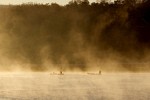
{"x":74,"y":86}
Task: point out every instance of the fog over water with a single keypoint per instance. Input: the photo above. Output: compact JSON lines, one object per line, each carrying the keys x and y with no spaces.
{"x":75,"y":37}
{"x":30,"y":86}
{"x":77,"y":51}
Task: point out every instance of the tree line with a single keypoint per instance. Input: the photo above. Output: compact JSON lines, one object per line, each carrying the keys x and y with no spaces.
{"x":76,"y":32}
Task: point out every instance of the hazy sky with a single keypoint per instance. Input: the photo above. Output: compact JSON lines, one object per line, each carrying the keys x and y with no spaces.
{"x":62,"y":2}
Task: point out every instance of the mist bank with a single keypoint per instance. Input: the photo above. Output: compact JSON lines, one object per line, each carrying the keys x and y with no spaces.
{"x":77,"y":36}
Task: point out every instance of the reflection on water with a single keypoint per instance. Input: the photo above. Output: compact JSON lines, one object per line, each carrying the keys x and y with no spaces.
{"x":74,"y":86}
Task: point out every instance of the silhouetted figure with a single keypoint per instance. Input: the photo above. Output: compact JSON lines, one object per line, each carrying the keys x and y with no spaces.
{"x":99,"y":72}
{"x":61,"y":73}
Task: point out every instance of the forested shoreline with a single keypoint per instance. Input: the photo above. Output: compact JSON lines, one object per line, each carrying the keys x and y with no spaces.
{"x":78,"y":34}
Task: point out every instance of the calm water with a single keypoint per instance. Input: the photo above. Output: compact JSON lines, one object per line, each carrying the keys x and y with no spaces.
{"x":43,"y":86}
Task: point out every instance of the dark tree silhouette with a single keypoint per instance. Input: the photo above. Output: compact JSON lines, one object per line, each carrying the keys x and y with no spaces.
{"x":75,"y":32}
